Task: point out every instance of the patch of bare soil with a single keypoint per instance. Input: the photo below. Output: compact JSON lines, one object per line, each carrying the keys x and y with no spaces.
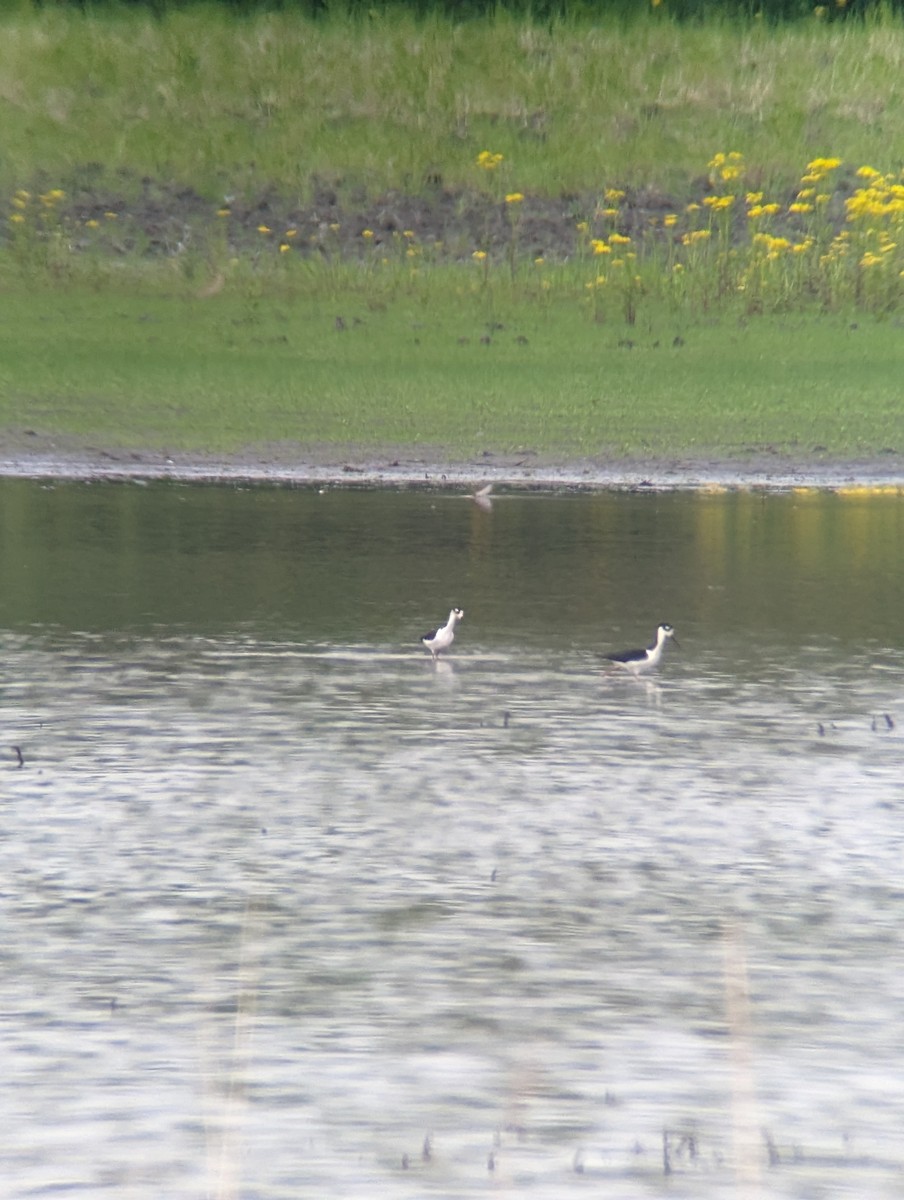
{"x":155,"y":217}
{"x":127,"y":215}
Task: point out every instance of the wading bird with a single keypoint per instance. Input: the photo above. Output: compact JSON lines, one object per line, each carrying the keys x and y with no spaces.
{"x":638,"y":661}
{"x":441,"y":639}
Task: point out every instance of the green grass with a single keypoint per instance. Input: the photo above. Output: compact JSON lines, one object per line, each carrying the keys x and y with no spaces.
{"x":228,"y":373}
{"x":234,"y":106}
{"x":107,"y":339}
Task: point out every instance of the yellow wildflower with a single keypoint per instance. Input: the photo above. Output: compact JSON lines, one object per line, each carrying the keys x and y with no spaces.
{"x":718,"y":203}
{"x":488,"y":161}
{"x":823,"y":164}
{"x":479,"y":255}
{"x":727,"y":166}
{"x":774,"y":246}
{"x":514,"y":198}
{"x":598,"y":246}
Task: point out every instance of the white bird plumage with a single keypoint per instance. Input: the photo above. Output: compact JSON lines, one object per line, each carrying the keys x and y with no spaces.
{"x":637,"y":661}
{"x":483,"y":498}
{"x":438,"y":640}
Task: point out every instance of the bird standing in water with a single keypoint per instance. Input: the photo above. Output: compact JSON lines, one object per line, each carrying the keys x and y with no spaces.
{"x":638,"y":661}
{"x":438,"y":640}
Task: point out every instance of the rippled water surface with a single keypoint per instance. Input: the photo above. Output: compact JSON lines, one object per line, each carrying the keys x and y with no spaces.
{"x":290,"y":912}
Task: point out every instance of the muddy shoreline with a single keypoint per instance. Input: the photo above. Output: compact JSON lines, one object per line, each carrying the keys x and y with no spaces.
{"x":32,"y":456}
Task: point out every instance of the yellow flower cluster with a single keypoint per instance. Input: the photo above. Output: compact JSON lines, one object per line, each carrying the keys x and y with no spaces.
{"x":727,"y":167}
{"x":775,"y":247}
{"x":488,"y":161}
{"x":762,"y":210}
{"x":22,"y":200}
{"x":881,"y":198}
{"x":818,"y":168}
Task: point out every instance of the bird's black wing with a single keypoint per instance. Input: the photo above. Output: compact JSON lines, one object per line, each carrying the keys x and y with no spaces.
{"x":627,"y":656}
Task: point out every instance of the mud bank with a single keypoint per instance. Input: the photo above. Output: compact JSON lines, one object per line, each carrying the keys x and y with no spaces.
{"x":52,"y":458}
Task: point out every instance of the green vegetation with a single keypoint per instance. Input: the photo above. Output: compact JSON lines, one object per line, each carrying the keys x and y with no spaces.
{"x":236,"y":106}
{"x":573,"y":236}
{"x":225,"y":373}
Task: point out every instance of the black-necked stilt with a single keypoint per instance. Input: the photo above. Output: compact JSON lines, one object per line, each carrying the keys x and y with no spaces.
{"x":441,"y":639}
{"x":637,"y":661}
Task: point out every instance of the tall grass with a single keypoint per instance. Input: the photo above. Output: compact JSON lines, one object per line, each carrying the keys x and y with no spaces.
{"x":233,"y":105}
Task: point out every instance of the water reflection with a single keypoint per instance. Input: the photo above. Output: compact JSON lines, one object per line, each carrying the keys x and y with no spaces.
{"x":289,"y":910}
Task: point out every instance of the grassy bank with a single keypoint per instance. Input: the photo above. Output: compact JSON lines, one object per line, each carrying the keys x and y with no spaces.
{"x":579,"y":239}
{"x":233,"y":106}
{"x":176,"y":372}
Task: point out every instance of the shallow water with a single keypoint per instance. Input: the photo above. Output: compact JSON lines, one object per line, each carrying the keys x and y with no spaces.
{"x":290,"y":912}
